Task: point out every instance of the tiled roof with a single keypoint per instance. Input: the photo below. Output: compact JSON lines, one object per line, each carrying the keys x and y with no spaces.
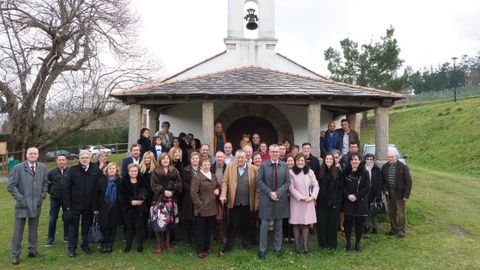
{"x":253,"y":80}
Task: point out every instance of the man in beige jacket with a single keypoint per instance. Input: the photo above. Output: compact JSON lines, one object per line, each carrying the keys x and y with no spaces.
{"x":240,"y":192}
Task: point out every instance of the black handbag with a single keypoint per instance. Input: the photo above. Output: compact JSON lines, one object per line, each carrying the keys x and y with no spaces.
{"x":94,"y":233}
{"x":377,"y":207}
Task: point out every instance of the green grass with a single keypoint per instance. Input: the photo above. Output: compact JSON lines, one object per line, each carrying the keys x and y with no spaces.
{"x":443,"y":233}
{"x":442,"y":135}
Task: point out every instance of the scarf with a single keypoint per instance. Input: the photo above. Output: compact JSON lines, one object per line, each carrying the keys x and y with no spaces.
{"x":111,"y":192}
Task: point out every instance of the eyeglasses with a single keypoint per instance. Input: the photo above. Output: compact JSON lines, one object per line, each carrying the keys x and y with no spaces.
{"x":369,"y":159}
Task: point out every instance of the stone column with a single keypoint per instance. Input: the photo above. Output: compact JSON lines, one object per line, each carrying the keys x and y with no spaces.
{"x":207,"y":123}
{"x":153,"y":124}
{"x":134,"y":123}
{"x":381,"y":134}
{"x":313,"y":126}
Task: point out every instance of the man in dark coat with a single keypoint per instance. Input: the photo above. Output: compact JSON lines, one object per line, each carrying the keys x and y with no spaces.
{"x":312,"y":161}
{"x":397,"y":186}
{"x":353,"y":149}
{"x":79,"y":189}
{"x":136,"y":157}
{"x":28,"y":185}
{"x":56,"y":178}
{"x":274,"y":180}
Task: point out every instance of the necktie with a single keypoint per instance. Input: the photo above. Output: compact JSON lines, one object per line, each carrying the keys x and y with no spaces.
{"x":85,"y":168}
{"x":275,"y":176}
{"x":33,"y":170}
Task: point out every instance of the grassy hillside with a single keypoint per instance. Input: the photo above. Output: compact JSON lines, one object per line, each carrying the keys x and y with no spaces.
{"x":444,"y":136}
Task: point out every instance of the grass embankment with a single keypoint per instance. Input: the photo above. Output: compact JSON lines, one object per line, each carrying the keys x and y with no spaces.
{"x":443,"y":136}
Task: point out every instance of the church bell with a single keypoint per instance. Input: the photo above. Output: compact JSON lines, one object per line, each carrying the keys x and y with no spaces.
{"x":251,"y":19}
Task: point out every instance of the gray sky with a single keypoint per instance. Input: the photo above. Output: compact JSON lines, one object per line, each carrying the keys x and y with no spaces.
{"x":184,"y":32}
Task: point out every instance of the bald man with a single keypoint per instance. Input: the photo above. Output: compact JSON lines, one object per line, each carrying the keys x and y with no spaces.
{"x":28,"y":184}
{"x":397,"y":186}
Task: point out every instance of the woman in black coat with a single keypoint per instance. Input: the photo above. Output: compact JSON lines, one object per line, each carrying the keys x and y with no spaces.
{"x":132,"y":196}
{"x":144,"y":140}
{"x":106,"y":205}
{"x":329,"y":201}
{"x":375,"y":193}
{"x":355,"y":190}
{"x":187,"y":205}
{"x":146,"y":168}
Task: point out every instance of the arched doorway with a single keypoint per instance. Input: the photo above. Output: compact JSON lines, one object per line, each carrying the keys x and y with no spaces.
{"x":249,"y":125}
{"x":270,"y":114}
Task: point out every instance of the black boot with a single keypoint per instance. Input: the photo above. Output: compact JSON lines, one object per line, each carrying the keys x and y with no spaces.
{"x":128,"y":247}
{"x":348,"y":247}
{"x":357,"y":246}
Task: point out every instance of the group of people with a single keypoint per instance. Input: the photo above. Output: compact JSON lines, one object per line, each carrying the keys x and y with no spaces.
{"x":172,"y":182}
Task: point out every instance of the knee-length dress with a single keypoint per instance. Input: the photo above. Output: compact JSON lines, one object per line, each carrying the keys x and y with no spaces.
{"x":303,"y":185}
{"x":164,"y":211}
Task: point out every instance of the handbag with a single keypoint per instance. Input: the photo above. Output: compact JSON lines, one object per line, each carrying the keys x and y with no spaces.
{"x":377,"y":207}
{"x":94,"y":233}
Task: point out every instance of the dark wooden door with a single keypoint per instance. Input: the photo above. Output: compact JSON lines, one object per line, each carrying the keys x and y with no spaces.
{"x":249,"y":125}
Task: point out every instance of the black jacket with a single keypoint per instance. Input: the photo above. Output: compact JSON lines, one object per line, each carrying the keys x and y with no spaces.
{"x":79,"y":187}
{"x":376,"y":185}
{"x":55,"y":182}
{"x":356,"y":183}
{"x":107,"y":217}
{"x":129,"y":192}
{"x":314,"y":165}
{"x":403,"y":180}
{"x":145,"y":144}
{"x":331,"y":189}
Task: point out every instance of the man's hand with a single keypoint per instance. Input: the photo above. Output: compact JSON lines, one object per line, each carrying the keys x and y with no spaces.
{"x":273,"y":196}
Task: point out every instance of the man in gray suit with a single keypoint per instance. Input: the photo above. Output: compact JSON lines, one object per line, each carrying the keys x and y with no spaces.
{"x":274,"y":180}
{"x":28,"y":185}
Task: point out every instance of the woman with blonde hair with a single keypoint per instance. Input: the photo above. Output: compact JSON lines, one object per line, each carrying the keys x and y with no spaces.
{"x":175,"y":154}
{"x":145,"y":170}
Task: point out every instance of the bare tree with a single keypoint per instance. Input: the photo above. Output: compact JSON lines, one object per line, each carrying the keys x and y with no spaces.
{"x":64,"y":55}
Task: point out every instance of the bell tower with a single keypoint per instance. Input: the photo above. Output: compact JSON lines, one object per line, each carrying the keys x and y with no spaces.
{"x":243,"y":12}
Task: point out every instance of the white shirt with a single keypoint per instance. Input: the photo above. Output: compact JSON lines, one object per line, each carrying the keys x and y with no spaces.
{"x":241,"y":170}
{"x":229,"y":159}
{"x":346,"y":143}
{"x":208,"y":175}
{"x":136,"y":161}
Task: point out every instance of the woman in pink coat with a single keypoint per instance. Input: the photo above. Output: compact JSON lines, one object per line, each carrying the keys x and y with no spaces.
{"x":303,"y":191}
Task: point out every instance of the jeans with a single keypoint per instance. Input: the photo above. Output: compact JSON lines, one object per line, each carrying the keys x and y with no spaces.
{"x":52,"y":223}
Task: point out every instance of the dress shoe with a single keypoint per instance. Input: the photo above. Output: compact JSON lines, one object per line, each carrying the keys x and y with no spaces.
{"x":72,"y":254}
{"x":49,"y":243}
{"x":278,"y":253}
{"x":127,"y":248}
{"x":391,"y":233}
{"x":224,"y":251}
{"x":297,"y":249}
{"x":401,"y":235}
{"x":34,"y":254}
{"x":348,"y":247}
{"x":109,"y":248}
{"x":261,"y":255}
{"x":357,"y":246}
{"x":87,"y":249}
{"x":140,"y":248}
{"x":104,"y":249}
{"x":201,"y":255}
{"x":210,"y":250}
{"x":158,"y":250}
{"x":15,"y":260}
{"x":374,"y":231}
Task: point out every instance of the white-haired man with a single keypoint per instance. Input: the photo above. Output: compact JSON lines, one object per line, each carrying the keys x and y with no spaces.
{"x":28,"y":184}
{"x":79,"y":188}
